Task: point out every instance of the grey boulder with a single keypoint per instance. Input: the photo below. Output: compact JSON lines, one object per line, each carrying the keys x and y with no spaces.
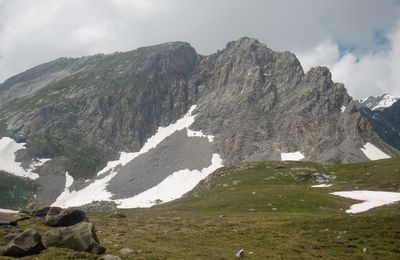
{"x":35,"y":210}
{"x":79,"y":237}
{"x":7,"y":219}
{"x":57,"y":217}
{"x":28,"y":242}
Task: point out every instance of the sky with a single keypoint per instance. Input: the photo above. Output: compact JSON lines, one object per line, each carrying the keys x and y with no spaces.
{"x":359,"y":40}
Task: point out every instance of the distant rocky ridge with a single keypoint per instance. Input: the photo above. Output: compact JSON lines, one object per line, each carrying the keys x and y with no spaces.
{"x":377,"y":103}
{"x":386,"y":123}
{"x":255,"y":102}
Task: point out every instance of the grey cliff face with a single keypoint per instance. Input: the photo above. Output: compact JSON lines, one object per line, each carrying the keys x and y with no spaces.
{"x":255,"y":101}
{"x":259,"y":103}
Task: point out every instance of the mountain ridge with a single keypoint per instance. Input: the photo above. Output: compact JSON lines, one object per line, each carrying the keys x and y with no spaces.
{"x":255,"y":102}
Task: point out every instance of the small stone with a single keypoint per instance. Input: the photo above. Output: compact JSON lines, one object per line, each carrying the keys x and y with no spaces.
{"x":110,"y":257}
{"x":240,"y":254}
{"x":126,"y":251}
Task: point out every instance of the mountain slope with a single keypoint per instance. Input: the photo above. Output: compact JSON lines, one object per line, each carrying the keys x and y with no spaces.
{"x":267,"y":208}
{"x":251,"y":103}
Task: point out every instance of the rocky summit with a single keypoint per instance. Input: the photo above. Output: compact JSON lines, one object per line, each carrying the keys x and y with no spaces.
{"x":116,"y":126}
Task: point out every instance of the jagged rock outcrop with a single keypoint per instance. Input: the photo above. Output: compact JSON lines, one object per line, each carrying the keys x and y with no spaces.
{"x":259,"y":103}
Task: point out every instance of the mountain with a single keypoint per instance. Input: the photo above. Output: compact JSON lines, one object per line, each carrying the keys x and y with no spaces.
{"x":386,"y":123}
{"x":377,"y":103}
{"x":130,"y":127}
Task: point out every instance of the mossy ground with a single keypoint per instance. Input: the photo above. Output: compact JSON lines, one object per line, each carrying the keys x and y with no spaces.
{"x":15,"y":191}
{"x":267,"y":208}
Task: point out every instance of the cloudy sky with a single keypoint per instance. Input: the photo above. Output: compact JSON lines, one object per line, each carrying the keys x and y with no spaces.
{"x":358,"y":39}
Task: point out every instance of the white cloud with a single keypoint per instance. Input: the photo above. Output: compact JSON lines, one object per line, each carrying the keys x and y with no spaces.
{"x":37,"y":31}
{"x":372,"y":73}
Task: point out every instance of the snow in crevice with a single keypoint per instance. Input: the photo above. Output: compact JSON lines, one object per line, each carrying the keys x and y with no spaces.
{"x":183,"y":180}
{"x":373,"y":152}
{"x":371,"y":199}
{"x":192,"y":133}
{"x":8,"y":148}
{"x":295,"y":156}
{"x":172,"y":187}
{"x":343,"y":108}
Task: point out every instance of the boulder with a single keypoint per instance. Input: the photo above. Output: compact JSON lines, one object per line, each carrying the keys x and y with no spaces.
{"x":35,"y":210}
{"x":57,"y":217}
{"x":27,"y":243}
{"x":7,"y":219}
{"x":79,"y":237}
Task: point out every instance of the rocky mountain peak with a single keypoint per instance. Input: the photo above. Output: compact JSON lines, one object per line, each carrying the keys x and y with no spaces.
{"x":256,"y":103}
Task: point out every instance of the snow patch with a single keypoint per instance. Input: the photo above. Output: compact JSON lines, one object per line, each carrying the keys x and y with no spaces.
{"x":372,"y":199}
{"x":8,"y":211}
{"x":323,"y":185}
{"x":172,"y":187}
{"x":343,"y":108}
{"x":8,"y":148}
{"x":94,"y":191}
{"x":296,"y":156}
{"x":373,"y":152}
{"x":192,"y":133}
{"x":152,"y":142}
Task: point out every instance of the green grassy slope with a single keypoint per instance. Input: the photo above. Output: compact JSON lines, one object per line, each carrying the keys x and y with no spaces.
{"x":267,"y":208}
{"x":15,"y":191}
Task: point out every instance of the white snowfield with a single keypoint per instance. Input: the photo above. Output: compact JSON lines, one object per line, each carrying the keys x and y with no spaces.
{"x":8,"y":211}
{"x":373,"y":153}
{"x":372,"y":199}
{"x":173,"y":187}
{"x":8,"y":148}
{"x":343,"y":108}
{"x":323,"y":185}
{"x":296,"y":156}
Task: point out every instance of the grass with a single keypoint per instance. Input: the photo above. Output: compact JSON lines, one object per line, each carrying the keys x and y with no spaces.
{"x":15,"y":191}
{"x":267,"y":208}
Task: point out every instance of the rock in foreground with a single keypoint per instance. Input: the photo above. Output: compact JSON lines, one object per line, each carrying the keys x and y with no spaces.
{"x":57,"y":217}
{"x":79,"y":237}
{"x":27,"y":243}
